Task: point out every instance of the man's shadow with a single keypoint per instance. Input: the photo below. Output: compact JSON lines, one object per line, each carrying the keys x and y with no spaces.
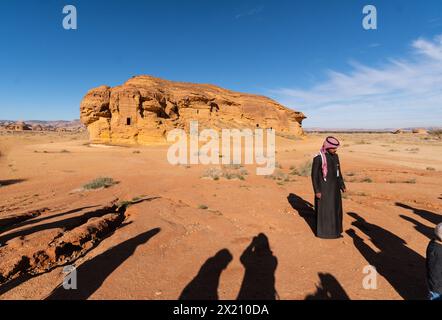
{"x":329,"y":288}
{"x":205,"y":284}
{"x":420,"y":227}
{"x":92,"y":273}
{"x":402,"y":267}
{"x":259,"y":277}
{"x":431,"y":217}
{"x":260,"y":265}
{"x":305,"y":210}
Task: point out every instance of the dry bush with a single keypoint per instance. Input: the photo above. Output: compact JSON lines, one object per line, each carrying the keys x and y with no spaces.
{"x":101,"y":182}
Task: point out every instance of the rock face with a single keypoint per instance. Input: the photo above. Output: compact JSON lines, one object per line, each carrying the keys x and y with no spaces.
{"x":145,"y":108}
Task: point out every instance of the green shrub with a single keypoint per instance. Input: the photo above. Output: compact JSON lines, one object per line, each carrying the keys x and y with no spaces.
{"x":303,"y":170}
{"x":101,"y":182}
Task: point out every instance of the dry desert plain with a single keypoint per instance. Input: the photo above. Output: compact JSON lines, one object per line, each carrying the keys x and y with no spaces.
{"x":158,"y":230}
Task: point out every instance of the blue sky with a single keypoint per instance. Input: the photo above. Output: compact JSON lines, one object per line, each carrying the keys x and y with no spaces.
{"x":312,"y":56}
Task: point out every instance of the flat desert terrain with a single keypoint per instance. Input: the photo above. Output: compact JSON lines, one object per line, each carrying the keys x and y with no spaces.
{"x":165,"y":232}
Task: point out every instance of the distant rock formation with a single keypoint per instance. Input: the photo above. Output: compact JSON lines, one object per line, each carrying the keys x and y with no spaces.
{"x":18,"y":126}
{"x":420,"y":131}
{"x":74,"y":126}
{"x":145,"y":108}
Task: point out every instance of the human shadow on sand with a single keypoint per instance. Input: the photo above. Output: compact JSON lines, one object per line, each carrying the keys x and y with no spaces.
{"x":402,"y":267}
{"x":420,"y":227}
{"x":4,"y":183}
{"x":305,"y":210}
{"x":259,"y":276}
{"x":260,"y":266}
{"x":329,"y":288}
{"x":92,"y":273}
{"x":205,"y":285}
{"x":432,"y":217}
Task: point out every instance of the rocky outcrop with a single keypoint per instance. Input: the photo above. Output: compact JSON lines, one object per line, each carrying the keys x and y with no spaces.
{"x":420,"y":131}
{"x":16,"y":126}
{"x":145,"y":108}
{"x":40,"y":126}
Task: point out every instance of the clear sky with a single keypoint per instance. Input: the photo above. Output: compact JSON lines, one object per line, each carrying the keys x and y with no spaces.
{"x":310,"y":55}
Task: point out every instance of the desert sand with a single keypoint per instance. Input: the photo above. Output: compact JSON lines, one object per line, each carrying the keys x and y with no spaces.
{"x":179,"y":219}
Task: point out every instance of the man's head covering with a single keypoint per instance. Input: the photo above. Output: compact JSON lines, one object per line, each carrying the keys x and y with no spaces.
{"x":329,"y":143}
{"x":438,"y":231}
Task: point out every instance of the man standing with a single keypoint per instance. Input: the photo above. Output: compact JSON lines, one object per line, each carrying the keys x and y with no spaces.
{"x":327,"y":184}
{"x":434,"y":265}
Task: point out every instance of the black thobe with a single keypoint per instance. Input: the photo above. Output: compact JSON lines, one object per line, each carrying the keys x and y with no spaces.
{"x":434,"y":266}
{"x":329,"y":207}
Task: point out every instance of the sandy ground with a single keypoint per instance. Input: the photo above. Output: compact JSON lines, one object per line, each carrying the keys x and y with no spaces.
{"x":170,"y":241}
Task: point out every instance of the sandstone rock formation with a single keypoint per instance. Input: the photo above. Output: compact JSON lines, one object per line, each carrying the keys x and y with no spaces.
{"x":145,"y":108}
{"x":74,"y":126}
{"x":17,"y":126}
{"x":420,"y":131}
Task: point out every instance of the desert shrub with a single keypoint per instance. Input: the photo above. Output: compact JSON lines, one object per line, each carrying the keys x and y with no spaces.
{"x":101,"y":182}
{"x":431,"y":169}
{"x":232,"y":166}
{"x":279,"y":176}
{"x":124,"y":204}
{"x":213,"y":173}
{"x":203,"y":207}
{"x":232,"y":175}
{"x":437,"y":133}
{"x":367,"y":180}
{"x":243,"y":172}
{"x":303,"y":170}
{"x":229,"y":174}
{"x":362,"y":142}
{"x":64,"y":151}
{"x":410,"y":181}
{"x":136,"y":152}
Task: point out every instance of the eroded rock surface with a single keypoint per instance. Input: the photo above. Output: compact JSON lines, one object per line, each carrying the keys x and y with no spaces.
{"x":144,"y":108}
